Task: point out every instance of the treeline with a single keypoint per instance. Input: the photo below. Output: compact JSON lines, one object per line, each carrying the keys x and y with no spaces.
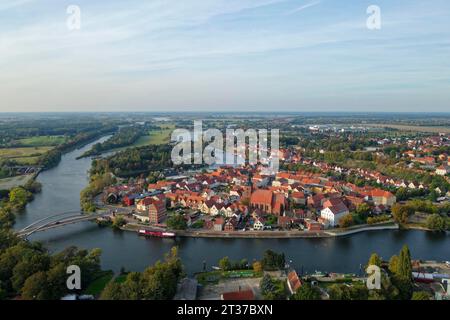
{"x":158,"y":282}
{"x":396,"y":281}
{"x":346,"y":142}
{"x":53,"y":157}
{"x":437,"y":219}
{"x":17,"y":198}
{"x":28,"y":270}
{"x":124,"y":137}
{"x":96,"y":185}
{"x":69,"y":126}
{"x":134,"y":161}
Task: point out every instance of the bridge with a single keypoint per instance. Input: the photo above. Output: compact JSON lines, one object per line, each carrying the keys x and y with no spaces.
{"x":58,"y":220}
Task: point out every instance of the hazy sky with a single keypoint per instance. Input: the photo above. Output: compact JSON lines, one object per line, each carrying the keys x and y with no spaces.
{"x":224,"y":55}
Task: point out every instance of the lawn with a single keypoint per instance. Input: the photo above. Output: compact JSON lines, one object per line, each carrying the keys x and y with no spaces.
{"x":96,"y":287}
{"x":23,"y":155}
{"x":42,"y":141}
{"x":213,"y":277}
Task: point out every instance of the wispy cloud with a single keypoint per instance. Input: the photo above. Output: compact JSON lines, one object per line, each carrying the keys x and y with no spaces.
{"x":215,"y":52}
{"x":8,"y":4}
{"x":303,"y":7}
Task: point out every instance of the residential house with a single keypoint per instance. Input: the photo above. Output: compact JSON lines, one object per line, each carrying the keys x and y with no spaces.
{"x":443,"y":170}
{"x":378,"y":196}
{"x":298,"y":198}
{"x":218,"y":224}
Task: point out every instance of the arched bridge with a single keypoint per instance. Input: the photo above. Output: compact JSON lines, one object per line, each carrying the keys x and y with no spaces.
{"x":58,"y":220}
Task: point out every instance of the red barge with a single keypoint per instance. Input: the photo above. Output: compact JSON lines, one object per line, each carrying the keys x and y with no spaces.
{"x":158,"y":234}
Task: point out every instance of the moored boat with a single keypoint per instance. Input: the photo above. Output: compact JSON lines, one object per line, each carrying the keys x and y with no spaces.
{"x":159,"y":234}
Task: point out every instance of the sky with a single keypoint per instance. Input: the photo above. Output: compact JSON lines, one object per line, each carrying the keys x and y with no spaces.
{"x":224,"y":56}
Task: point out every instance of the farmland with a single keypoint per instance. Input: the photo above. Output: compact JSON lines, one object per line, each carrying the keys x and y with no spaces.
{"x":41,"y":141}
{"x":413,"y":128}
{"x":23,"y":155}
{"x":156,"y":136}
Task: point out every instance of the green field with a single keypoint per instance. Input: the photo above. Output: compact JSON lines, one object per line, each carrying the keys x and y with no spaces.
{"x":23,"y":155}
{"x":155,"y":137}
{"x":42,"y":141}
{"x":96,"y":287}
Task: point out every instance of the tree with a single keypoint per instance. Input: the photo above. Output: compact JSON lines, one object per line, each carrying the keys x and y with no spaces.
{"x":30,"y":264}
{"x":35,"y":287}
{"x":132,"y":287}
{"x":375,"y":260}
{"x":401,"y":194}
{"x":112,"y":291}
{"x":404,"y":263}
{"x":18,"y":197}
{"x":346,"y":221}
{"x":176,"y":222}
{"x":272,"y":289}
{"x":436,"y":222}
{"x":307,"y":292}
{"x":119,"y":222}
{"x":393,"y":264}
{"x":257,"y":267}
{"x":401,"y":213}
{"x":345,"y":292}
{"x":363,"y":210}
{"x":421,"y":295}
{"x":272,"y":260}
{"x":403,"y":277}
{"x":225,"y":264}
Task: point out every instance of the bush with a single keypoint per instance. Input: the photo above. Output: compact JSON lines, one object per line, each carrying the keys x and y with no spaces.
{"x":176,"y":222}
{"x":382,"y":218}
{"x":272,"y":289}
{"x":436,"y":223}
{"x":346,"y":221}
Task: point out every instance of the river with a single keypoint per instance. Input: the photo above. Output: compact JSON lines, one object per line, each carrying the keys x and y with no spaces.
{"x":61,"y":187}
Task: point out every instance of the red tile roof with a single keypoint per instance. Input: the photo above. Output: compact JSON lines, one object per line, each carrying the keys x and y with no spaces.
{"x":239,"y":295}
{"x":262,"y":197}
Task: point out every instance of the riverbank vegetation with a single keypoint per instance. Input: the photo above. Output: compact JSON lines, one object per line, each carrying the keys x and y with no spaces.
{"x":28,"y":270}
{"x":96,"y":185}
{"x":134,"y":161}
{"x":423,"y":213}
{"x":124,"y":137}
{"x":157,"y":282}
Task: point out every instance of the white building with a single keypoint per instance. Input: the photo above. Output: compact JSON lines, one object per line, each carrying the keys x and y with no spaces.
{"x":442,"y":170}
{"x":333,"y":214}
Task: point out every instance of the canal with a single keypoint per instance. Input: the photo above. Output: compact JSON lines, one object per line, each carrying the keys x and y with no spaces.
{"x":61,"y":187}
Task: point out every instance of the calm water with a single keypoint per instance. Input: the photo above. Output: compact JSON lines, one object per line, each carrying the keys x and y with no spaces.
{"x":60,"y":193}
